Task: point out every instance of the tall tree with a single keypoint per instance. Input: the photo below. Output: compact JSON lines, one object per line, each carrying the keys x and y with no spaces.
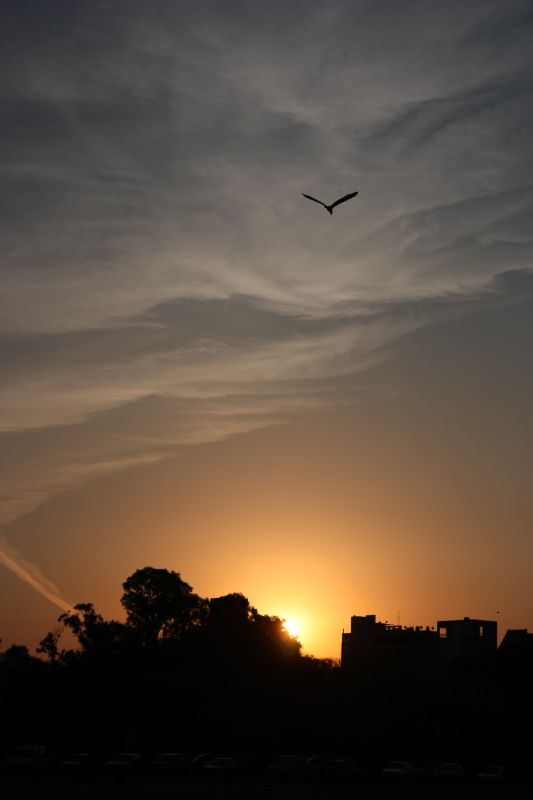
{"x":160,"y":605}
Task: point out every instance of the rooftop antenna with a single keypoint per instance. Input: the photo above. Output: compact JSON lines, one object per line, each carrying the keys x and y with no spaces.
{"x":398,"y":618}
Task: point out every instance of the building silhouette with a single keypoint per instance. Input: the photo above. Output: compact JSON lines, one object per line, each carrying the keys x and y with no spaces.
{"x":370,"y":641}
{"x":517,"y":643}
{"x":467,"y":638}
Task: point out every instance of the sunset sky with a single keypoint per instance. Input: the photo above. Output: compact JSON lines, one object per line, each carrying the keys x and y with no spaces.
{"x":204,"y":371}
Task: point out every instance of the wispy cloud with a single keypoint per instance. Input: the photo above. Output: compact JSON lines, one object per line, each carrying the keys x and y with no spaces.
{"x":117,"y":398}
{"x":164,"y":282}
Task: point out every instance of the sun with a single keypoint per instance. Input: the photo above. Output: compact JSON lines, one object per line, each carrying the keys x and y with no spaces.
{"x":292,"y":627}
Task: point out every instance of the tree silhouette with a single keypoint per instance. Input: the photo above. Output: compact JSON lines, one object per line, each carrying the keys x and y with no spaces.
{"x":98,"y":638}
{"x":160,"y":605}
{"x":238,"y":626}
{"x":18,"y":656}
{"x":229,"y":613}
{"x":49,"y":645}
{"x":270,"y":634}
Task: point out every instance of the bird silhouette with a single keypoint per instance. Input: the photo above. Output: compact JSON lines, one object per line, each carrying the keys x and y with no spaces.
{"x":336,"y":203}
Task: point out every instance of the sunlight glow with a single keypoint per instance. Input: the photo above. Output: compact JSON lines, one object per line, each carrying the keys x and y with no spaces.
{"x":292,"y":627}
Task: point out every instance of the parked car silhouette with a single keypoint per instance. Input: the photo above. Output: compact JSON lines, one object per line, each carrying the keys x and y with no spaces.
{"x":220,"y":769}
{"x":80,"y":766}
{"x":170,"y":764}
{"x":398,"y":772}
{"x":441,"y":771}
{"x":451,"y":772}
{"x":28,"y":759}
{"x":124,"y":764}
{"x":285,"y":769}
{"x":324,"y":768}
{"x":197,"y":765}
{"x":492,"y":774}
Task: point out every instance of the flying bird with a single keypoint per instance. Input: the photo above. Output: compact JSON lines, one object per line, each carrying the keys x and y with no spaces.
{"x":336,"y":203}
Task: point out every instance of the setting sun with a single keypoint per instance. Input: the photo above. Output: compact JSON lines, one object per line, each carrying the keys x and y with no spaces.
{"x":292,"y":627}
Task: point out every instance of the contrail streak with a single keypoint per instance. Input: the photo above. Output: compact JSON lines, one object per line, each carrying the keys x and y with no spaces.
{"x":31,"y":574}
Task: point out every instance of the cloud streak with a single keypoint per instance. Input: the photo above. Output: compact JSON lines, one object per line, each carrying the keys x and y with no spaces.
{"x":31,"y":574}
{"x":165,"y":284}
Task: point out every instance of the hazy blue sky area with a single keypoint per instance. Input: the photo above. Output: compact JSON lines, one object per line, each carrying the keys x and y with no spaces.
{"x":171,"y":302}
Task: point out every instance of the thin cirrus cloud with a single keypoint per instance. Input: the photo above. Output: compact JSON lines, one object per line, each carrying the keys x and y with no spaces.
{"x":157,"y":254}
{"x":187,"y":372}
{"x":237,"y":368}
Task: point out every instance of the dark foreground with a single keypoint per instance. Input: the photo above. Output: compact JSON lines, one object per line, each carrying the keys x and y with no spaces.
{"x":21,"y":791}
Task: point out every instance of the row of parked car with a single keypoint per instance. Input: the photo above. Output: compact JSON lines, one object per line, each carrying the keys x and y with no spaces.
{"x":329,"y":768}
{"x":29,"y":761}
{"x":447,"y":772}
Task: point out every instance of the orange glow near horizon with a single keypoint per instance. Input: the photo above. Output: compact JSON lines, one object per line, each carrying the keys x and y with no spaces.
{"x":325,"y":545}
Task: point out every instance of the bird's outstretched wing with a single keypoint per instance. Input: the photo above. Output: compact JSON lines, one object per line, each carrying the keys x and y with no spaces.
{"x":342,"y":199}
{"x":314,"y":198}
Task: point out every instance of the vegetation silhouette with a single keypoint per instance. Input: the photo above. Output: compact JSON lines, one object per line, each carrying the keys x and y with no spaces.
{"x":160,"y":605}
{"x":188,"y":674}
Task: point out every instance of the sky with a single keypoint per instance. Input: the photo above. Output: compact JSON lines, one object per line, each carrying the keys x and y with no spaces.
{"x":206,"y":372}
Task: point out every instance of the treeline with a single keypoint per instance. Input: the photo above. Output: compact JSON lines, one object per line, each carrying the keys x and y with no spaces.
{"x":166,"y":620}
{"x":180,"y":672}
{"x":186,"y":673}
